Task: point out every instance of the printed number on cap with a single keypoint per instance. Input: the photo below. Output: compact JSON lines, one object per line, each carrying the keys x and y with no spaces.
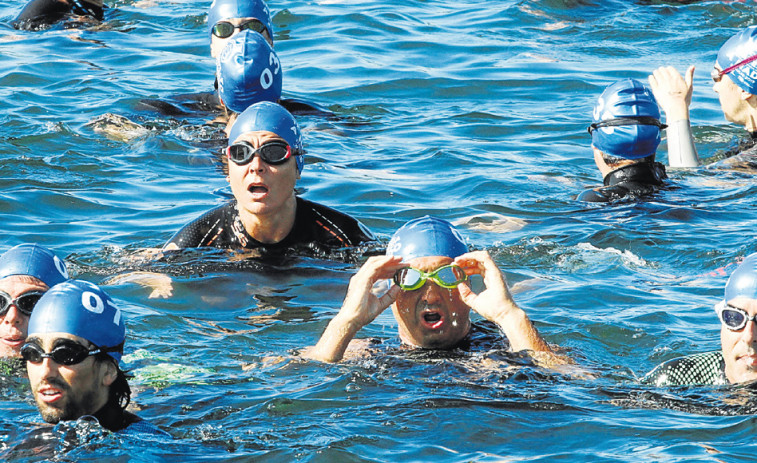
{"x":266,"y":78}
{"x":88,"y":297}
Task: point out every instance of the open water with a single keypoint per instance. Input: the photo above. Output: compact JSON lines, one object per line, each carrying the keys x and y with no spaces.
{"x":471,"y":111}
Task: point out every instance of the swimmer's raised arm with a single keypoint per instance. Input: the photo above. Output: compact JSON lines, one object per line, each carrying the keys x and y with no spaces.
{"x":360,"y":307}
{"x":497,"y":305}
{"x":673,"y":93}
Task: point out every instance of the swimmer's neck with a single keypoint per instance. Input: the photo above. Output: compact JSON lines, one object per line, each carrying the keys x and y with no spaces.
{"x":270,"y":227}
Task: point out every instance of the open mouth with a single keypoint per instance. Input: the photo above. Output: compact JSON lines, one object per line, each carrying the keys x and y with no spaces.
{"x":432,"y":319}
{"x":15,"y":342}
{"x":258,"y":189}
{"x":50,"y":394}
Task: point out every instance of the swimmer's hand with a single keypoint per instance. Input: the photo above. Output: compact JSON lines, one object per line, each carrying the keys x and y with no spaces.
{"x":160,"y":284}
{"x":496,"y":304}
{"x":673,"y":92}
{"x":361,"y":306}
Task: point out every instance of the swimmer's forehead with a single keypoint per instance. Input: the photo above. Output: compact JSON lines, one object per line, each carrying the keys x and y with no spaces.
{"x":257,"y":135}
{"x":427,"y":263}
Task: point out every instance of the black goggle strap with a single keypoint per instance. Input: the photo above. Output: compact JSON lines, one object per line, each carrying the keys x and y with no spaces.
{"x":618,"y":121}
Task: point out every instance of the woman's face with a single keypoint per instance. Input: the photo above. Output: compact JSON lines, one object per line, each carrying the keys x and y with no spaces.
{"x":261,"y":188}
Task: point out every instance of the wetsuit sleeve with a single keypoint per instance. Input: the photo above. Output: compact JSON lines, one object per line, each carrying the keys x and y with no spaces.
{"x":681,"y":149}
{"x":595,"y":195}
{"x":698,"y":369}
{"x":203,"y":231}
{"x":39,"y":13}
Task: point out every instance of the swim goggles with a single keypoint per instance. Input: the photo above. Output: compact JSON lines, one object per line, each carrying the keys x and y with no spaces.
{"x":24,"y":303}
{"x":641,"y":120}
{"x":717,"y":74}
{"x":733,"y":318}
{"x":274,"y":152}
{"x":449,"y":276}
{"x":65,"y":353}
{"x":224,"y":29}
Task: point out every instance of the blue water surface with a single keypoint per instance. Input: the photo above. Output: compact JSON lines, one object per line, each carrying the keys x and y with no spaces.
{"x":471,"y":111}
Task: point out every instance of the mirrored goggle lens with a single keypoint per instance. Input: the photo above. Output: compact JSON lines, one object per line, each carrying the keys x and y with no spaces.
{"x":450,"y":276}
{"x":409,"y":279}
{"x":64,"y":354}
{"x":24,"y":302}
{"x":271,"y":152}
{"x":733,"y":318}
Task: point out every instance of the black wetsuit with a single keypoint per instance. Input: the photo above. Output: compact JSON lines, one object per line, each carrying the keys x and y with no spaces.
{"x":742,"y":158}
{"x":209,"y":102}
{"x":40,"y":13}
{"x":632,"y":180}
{"x":114,"y":418}
{"x":698,"y":369}
{"x":316,"y":227}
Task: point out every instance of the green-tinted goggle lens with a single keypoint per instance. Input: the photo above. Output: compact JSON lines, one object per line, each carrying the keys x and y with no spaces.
{"x":448,"y":276}
{"x":224,"y":29}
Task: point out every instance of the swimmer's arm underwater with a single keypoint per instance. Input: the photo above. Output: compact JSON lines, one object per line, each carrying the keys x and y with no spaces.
{"x":497,"y":305}
{"x":673,"y":93}
{"x":360,"y":308}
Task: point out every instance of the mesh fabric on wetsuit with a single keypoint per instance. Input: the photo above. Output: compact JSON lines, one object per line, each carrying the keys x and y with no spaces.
{"x":698,"y":369}
{"x":632,"y":180}
{"x":315,"y":226}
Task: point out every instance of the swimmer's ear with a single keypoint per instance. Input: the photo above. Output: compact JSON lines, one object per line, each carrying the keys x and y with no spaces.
{"x":228,"y":180}
{"x":111,"y":373}
{"x":299,"y":174}
{"x":746,"y":95}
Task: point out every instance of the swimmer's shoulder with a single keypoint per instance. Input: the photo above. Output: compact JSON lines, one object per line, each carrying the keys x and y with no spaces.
{"x":706,"y":368}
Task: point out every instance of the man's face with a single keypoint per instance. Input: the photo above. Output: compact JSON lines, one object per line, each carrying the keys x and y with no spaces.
{"x":68,"y":392}
{"x":14,"y":323}
{"x":740,"y":347}
{"x":217,"y":43}
{"x":731,"y":100}
{"x":431,"y":317}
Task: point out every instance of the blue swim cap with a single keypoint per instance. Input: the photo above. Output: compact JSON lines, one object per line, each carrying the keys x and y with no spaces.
{"x":743,"y":280}
{"x":270,"y":117}
{"x":627,"y":98}
{"x":228,"y":9}
{"x":424,"y":237}
{"x":83,"y":309}
{"x":738,"y":48}
{"x":33,"y":260}
{"x":248,"y":71}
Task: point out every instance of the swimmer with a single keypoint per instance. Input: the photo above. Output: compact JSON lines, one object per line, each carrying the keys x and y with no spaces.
{"x":265,"y":158}
{"x":429,"y":264}
{"x":248,"y":71}
{"x":736,"y":362}
{"x":226,"y":18}
{"x":624,"y":137}
{"x":41,"y":13}
{"x":735,"y":81}
{"x":26,"y":272}
{"x":76,"y":339}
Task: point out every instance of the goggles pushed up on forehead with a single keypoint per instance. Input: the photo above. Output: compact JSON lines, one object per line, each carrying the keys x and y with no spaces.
{"x":273,"y":152}
{"x":733,"y":318}
{"x":224,"y":29}
{"x":24,"y":303}
{"x":449,"y":276}
{"x":717,"y":74}
{"x":618,"y":121}
{"x":65,"y":353}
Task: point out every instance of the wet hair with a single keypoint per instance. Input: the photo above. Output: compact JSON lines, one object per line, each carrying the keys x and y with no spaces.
{"x":614,"y":161}
{"x":119,"y":394}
